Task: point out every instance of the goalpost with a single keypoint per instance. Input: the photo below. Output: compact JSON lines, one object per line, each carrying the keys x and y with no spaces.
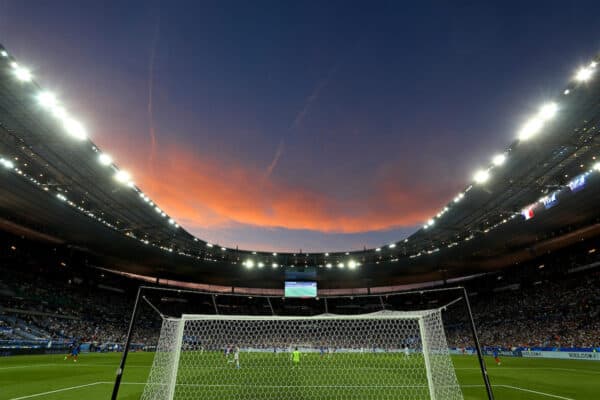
{"x":381,"y":355}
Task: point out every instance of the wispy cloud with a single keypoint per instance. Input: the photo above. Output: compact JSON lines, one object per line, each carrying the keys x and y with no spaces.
{"x":296,"y":123}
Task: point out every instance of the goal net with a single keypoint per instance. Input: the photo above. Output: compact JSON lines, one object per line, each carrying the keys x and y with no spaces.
{"x":382,"y":355}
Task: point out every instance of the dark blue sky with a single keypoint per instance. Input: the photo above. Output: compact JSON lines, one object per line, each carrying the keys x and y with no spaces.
{"x":280,"y":125}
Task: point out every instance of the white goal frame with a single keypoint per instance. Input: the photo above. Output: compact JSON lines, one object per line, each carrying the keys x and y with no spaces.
{"x":442,"y":383}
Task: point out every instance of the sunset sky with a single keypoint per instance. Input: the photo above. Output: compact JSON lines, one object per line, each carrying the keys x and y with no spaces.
{"x":301,"y":125}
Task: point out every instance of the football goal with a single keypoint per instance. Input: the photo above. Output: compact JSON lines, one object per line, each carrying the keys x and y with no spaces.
{"x":381,"y":355}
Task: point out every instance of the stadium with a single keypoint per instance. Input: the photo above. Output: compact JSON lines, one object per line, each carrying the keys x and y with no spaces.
{"x":105,"y":294}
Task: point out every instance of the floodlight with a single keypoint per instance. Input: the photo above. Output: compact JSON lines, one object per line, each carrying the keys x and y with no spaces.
{"x":378,"y":249}
{"x":123,"y":176}
{"x":481,"y":176}
{"x":249,"y":264}
{"x":274,"y":265}
{"x":7,"y":163}
{"x":22,"y":74}
{"x":531,"y":127}
{"x":584,"y":74}
{"x":74,"y":128}
{"x":4,"y":53}
{"x":352,"y":264}
{"x":548,"y":111}
{"x":391,"y":246}
{"x":47,"y":100}
{"x":597,"y":166}
{"x":261,"y":264}
{"x":106,"y":160}
{"x":431,"y":222}
{"x":341,"y":265}
{"x":499,"y":159}
{"x":328,"y":265}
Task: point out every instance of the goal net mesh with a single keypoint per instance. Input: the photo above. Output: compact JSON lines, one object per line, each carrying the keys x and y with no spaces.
{"x":383,"y":355}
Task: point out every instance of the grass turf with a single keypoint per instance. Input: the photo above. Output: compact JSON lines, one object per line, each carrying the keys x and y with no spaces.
{"x":91,"y":378}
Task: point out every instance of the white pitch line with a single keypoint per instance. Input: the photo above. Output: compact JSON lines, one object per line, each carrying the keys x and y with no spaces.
{"x":358,"y":386}
{"x":56,"y":391}
{"x":535,"y":391}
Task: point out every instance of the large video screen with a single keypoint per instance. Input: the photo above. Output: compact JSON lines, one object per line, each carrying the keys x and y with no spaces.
{"x":300,"y":289}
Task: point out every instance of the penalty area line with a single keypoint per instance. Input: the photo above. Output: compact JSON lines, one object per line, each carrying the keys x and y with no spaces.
{"x":56,"y":391}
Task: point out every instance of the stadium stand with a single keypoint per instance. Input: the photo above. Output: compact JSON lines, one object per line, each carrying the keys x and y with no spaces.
{"x":553,"y":302}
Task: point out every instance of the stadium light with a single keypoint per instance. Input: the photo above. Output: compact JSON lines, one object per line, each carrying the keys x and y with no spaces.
{"x":106,"y":160}
{"x":74,"y":128}
{"x":391,"y":246}
{"x":548,"y":111}
{"x":567,"y":91}
{"x":275,"y":254}
{"x":531,"y":128}
{"x":123,"y":176}
{"x":4,"y":53}
{"x":341,"y":265}
{"x":481,"y":176}
{"x":597,"y":166}
{"x":498,"y":159}
{"x":328,"y":265}
{"x":171,"y":221}
{"x":274,"y":265}
{"x":352,"y":264}
{"x":378,"y":249}
{"x":261,"y":264}
{"x":431,"y":222}
{"x":7,"y":163}
{"x":22,"y":74}
{"x":249,"y":264}
{"x":209,"y":245}
{"x":47,"y":100}
{"x":584,"y":74}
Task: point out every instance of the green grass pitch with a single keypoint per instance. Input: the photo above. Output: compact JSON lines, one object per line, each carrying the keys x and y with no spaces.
{"x":50,"y":378}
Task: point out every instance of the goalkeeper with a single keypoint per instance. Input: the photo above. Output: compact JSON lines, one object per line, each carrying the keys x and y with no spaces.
{"x":296,"y":357}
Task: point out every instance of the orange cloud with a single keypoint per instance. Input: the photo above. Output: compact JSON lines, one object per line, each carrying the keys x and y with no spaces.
{"x":207,"y":192}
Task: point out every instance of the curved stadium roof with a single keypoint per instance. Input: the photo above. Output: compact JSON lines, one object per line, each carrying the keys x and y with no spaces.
{"x":58,"y":185}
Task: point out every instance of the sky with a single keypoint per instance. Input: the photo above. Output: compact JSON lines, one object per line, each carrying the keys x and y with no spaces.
{"x":314,"y":126}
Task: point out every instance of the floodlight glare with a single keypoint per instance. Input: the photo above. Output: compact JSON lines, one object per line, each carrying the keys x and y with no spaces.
{"x":106,"y":160}
{"x":22,"y":74}
{"x":531,"y":127}
{"x":597,"y":166}
{"x":74,"y":128}
{"x":584,"y":74}
{"x":274,"y":265}
{"x":249,"y":264}
{"x":47,"y":100}
{"x":378,"y":249}
{"x":341,"y":265}
{"x":7,"y":164}
{"x":261,"y":264}
{"x":431,"y":222}
{"x":123,"y":176}
{"x":548,"y":111}
{"x":4,"y":53}
{"x":498,"y":159}
{"x":328,"y":265}
{"x":481,"y":176}
{"x":352,"y":264}
{"x":391,"y":246}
